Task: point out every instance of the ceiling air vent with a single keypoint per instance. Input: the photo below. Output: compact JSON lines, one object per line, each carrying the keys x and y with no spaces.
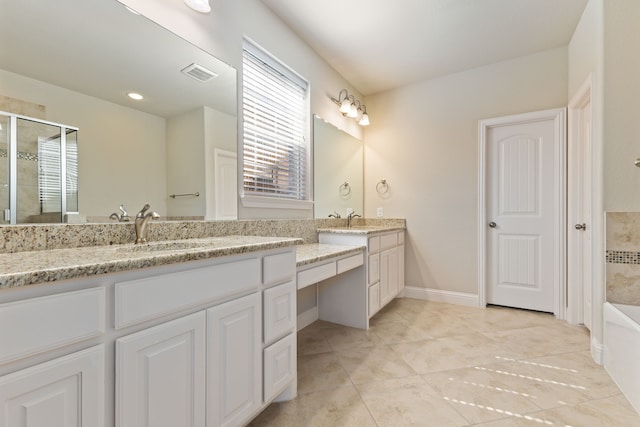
{"x":199,"y":73}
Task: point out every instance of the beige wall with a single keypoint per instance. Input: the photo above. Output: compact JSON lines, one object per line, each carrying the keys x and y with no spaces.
{"x":186,"y":163}
{"x":621,"y":105}
{"x":424,"y":143}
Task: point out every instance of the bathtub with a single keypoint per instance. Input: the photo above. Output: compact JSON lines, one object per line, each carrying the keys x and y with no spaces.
{"x":622,"y":348}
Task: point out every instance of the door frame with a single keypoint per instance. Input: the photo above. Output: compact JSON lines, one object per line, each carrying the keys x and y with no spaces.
{"x":575,"y":291}
{"x":558,"y":116}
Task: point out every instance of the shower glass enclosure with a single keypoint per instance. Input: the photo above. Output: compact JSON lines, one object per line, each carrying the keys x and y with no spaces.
{"x":38,"y":170}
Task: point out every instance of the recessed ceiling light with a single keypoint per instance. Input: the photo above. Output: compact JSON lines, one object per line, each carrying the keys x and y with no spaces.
{"x":135,"y":96}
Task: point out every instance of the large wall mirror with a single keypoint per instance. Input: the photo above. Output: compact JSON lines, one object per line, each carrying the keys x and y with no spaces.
{"x":338,"y":171}
{"x":58,"y":65}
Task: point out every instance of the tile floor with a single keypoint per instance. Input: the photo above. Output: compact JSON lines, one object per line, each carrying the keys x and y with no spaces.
{"x":431,"y":364}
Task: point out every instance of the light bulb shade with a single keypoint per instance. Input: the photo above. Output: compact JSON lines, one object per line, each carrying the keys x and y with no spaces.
{"x":345,"y":106}
{"x":364,"y":121}
{"x":199,"y":5}
{"x":353,"y":111}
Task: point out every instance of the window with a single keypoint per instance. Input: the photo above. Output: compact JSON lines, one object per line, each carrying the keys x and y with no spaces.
{"x":49,"y":186}
{"x":275,"y":129}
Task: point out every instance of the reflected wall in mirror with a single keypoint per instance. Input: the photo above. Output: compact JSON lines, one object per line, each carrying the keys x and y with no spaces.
{"x":78,"y":60}
{"x":338,"y":171}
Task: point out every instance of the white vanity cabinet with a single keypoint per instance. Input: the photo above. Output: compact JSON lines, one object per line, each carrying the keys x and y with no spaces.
{"x":384,"y":267}
{"x":234,"y":371}
{"x":205,"y":343}
{"x":65,"y":390}
{"x":160,"y":375}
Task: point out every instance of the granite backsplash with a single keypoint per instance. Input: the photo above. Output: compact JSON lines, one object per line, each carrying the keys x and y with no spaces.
{"x":29,"y":237}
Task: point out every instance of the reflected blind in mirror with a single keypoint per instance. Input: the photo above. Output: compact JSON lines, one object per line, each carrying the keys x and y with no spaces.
{"x":275,"y":118}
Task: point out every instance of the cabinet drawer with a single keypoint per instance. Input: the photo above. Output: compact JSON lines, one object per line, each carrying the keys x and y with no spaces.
{"x":279,"y":366}
{"x":316,"y":274}
{"x":388,"y":241}
{"x":352,"y":262}
{"x":279,"y":311}
{"x":374,"y":268}
{"x":374,"y":244}
{"x":152,"y":297}
{"x":279,"y":268}
{"x":37,"y":325}
{"x":401,"y":238}
{"x":374,"y":299}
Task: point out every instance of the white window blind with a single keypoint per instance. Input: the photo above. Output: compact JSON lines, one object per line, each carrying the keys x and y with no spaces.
{"x":49,"y":183}
{"x":275,"y":121}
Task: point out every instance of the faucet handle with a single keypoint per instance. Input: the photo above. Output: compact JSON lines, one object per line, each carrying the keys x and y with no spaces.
{"x":143,"y":210}
{"x":125,"y":216}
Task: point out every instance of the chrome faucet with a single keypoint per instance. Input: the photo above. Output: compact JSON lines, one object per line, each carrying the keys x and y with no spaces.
{"x":334,"y":215}
{"x":142,"y":219}
{"x":123,"y":217}
{"x":350,"y":217}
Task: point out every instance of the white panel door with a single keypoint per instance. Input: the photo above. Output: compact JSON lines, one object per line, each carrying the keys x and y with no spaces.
{"x":160,"y":375}
{"x":580,"y":221}
{"x":585,"y":227}
{"x":226,"y":186}
{"x":522,"y":213}
{"x":65,"y":392}
{"x":234,"y":361}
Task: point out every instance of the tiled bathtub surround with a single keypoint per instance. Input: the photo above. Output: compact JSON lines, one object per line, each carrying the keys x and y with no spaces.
{"x":18,"y":238}
{"x":623,"y":257}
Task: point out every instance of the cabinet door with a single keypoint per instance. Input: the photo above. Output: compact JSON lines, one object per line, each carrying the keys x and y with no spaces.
{"x":388,"y":275}
{"x":374,"y":268}
{"x":65,"y":392}
{"x":374,"y":299}
{"x":279,"y":366}
{"x":279,"y":311}
{"x":400,"y":268}
{"x":160,"y":375}
{"x":234,"y":365}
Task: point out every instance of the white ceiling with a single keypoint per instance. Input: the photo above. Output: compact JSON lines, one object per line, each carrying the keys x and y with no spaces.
{"x":382,"y":44}
{"x":99,"y":48}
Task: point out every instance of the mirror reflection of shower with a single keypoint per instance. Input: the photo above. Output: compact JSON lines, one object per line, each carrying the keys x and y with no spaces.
{"x":38,"y":170}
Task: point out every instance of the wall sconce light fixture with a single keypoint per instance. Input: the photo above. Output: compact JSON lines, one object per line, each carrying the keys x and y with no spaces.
{"x":201,"y":6}
{"x":352,"y":107}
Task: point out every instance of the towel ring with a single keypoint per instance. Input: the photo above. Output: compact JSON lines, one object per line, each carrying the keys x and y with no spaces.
{"x":345,"y":189}
{"x":382,"y":186}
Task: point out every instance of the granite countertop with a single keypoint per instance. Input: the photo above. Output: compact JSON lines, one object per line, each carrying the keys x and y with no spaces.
{"x":361,"y":229}
{"x":32,"y":267}
{"x":314,"y":252}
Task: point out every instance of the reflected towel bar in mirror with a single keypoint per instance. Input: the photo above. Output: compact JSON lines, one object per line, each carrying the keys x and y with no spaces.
{"x":196,"y":194}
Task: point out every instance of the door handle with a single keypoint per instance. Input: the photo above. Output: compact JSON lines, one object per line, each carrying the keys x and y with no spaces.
{"x":582,"y":226}
{"x":493,"y":224}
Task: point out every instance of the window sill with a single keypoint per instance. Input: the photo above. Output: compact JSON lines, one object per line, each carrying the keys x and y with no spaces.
{"x":251,"y":201}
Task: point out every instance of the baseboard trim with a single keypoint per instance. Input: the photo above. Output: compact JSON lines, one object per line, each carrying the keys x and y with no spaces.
{"x":306,"y":318}
{"x":438,"y":295}
{"x":597,"y":351}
